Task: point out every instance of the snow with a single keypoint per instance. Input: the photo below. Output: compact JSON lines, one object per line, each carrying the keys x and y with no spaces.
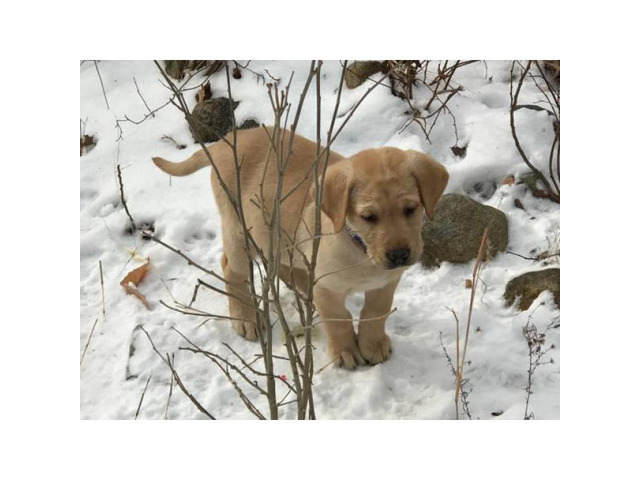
{"x":416,"y":383}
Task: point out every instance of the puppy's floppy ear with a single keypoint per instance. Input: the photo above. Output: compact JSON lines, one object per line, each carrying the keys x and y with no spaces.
{"x":432,"y":179}
{"x":335,"y":193}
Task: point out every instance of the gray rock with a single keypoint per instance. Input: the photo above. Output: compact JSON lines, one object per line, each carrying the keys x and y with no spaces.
{"x":358,"y":72}
{"x":530,"y":285}
{"x":212,"y":119}
{"x":249,"y":123}
{"x":456,"y":232}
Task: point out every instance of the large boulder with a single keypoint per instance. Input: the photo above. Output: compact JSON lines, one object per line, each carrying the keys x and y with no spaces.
{"x":456,"y":232}
{"x":212,"y":119}
{"x":358,"y":72}
{"x":529,"y":286}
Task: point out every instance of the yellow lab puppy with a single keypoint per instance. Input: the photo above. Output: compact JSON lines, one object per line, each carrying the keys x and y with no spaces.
{"x":371,"y":221}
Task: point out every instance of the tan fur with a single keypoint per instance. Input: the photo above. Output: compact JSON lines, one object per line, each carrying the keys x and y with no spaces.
{"x":384,"y":182}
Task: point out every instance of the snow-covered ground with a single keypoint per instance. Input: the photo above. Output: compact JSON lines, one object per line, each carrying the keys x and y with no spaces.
{"x":416,"y":383}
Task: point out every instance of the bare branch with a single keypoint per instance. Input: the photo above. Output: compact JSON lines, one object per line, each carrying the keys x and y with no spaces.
{"x":104,"y":94}
{"x":166,"y":408}
{"x":104,"y":315}
{"x":88,"y":340}
{"x":142,"y":397}
{"x":124,"y":202}
{"x":176,"y":377}
{"x":142,"y":98}
{"x":552,"y":194}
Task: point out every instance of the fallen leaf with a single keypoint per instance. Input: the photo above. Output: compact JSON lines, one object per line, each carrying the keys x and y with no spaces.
{"x":468,"y":283}
{"x":131,"y":281}
{"x":510,"y":180}
{"x":86,"y":141}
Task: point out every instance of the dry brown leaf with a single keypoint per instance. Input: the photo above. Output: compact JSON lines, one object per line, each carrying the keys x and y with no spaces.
{"x":133,"y":279}
{"x":468,"y":283}
{"x":510,"y":180}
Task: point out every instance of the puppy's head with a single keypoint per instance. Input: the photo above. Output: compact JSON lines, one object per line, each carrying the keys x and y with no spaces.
{"x":380,"y":195}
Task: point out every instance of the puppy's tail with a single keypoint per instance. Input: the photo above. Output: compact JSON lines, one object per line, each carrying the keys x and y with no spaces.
{"x":194,"y":163}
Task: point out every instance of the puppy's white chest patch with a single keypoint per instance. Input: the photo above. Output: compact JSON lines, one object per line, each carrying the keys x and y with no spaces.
{"x":361,"y":278}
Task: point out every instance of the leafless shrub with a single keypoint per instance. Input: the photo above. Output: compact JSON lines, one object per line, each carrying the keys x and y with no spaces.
{"x":264,"y":287}
{"x":169,"y":361}
{"x":196,"y":76}
{"x":261,"y":78}
{"x":549,"y":87}
{"x":406,"y":74}
{"x":536,"y":342}
{"x":465,"y":388}
{"x":461,"y":356}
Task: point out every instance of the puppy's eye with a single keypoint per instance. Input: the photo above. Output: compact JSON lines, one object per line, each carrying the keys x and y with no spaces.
{"x":408,"y":211}
{"x":369,"y":217}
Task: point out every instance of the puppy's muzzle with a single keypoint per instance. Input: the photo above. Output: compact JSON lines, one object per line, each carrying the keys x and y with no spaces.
{"x":398,"y":257}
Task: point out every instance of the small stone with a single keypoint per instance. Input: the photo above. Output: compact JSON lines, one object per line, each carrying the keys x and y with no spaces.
{"x":212,"y":119}
{"x":358,"y":72}
{"x":250,"y":123}
{"x":530,"y":285}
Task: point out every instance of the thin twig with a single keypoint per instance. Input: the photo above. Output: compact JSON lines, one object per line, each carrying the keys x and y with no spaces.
{"x":166,"y":408}
{"x":124,"y":202}
{"x":219,"y":361}
{"x":88,"y":340}
{"x":185,"y":310}
{"x":95,"y":63}
{"x":177,"y":377}
{"x":537,"y":258}
{"x":370,"y":319}
{"x":142,"y":398}
{"x":143,"y":100}
{"x":190,"y":261}
{"x":104,"y":313}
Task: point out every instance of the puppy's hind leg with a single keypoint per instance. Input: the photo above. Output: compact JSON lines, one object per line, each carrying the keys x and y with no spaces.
{"x":236,"y":266}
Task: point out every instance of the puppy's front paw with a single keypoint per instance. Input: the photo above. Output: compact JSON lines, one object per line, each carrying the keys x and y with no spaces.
{"x":245,"y":329}
{"x":375,"y":349}
{"x":346,"y":354}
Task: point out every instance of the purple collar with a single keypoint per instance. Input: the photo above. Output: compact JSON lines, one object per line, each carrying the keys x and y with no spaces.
{"x":356,"y":238}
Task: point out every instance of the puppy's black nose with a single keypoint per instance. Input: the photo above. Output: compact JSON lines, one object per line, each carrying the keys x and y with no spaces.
{"x":398,"y":257}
